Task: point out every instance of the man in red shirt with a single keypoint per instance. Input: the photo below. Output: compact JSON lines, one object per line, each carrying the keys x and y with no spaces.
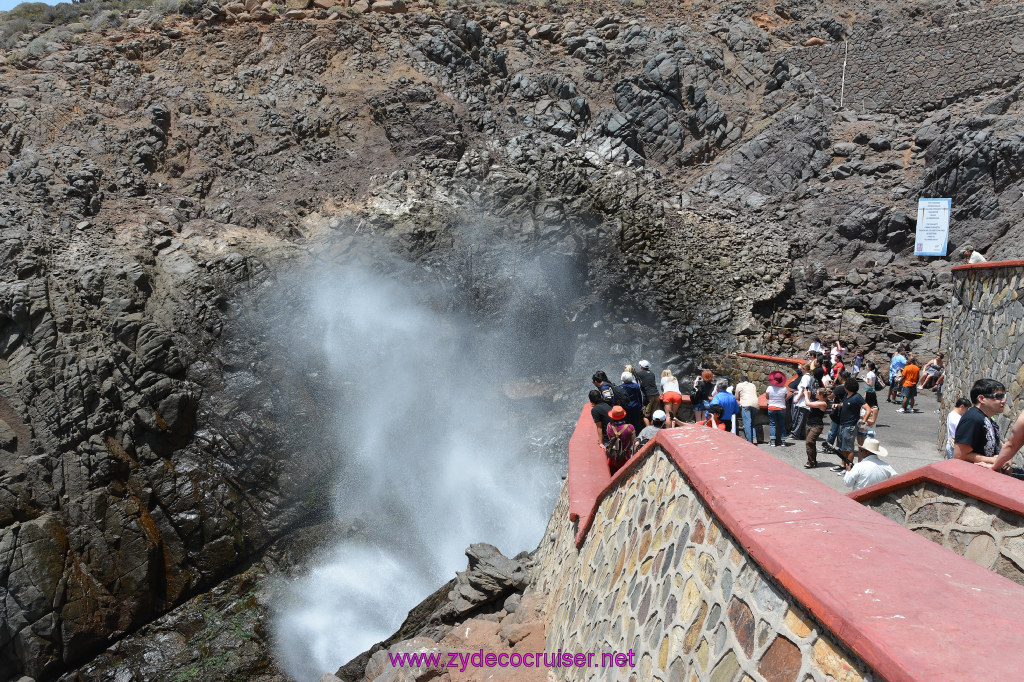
{"x":911,"y":373}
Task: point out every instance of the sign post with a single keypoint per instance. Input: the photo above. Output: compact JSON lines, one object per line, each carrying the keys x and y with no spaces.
{"x":932,"y":227}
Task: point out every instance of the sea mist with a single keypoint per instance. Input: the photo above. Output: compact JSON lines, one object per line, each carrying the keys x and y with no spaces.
{"x":435,"y":456}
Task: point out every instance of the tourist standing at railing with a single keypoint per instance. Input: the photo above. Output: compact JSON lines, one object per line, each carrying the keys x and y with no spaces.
{"x":701,"y":396}
{"x":650,"y":431}
{"x":970,"y":255}
{"x":977,"y":436}
{"x":777,"y":394}
{"x":649,"y":385}
{"x":670,"y":394}
{"x":599,"y":413}
{"x":621,"y":440}
{"x":634,"y":402}
{"x":600,"y":381}
{"x":746,"y":396}
{"x":730,"y":408}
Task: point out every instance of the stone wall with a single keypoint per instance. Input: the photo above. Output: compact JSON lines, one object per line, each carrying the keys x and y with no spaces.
{"x":914,"y":71}
{"x":986,"y":337}
{"x":660,"y":576}
{"x":988,"y":536}
{"x":757,"y":367}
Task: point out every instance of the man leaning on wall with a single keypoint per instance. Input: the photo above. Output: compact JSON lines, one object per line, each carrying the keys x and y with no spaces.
{"x":977,"y":436}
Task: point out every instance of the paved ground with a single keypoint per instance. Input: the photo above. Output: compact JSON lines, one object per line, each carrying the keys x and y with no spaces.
{"x":909,"y":438}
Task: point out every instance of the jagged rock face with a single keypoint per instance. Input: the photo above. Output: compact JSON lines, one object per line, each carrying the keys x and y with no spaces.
{"x":687,"y":168}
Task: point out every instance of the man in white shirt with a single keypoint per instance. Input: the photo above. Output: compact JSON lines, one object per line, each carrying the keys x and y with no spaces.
{"x":815,"y":347}
{"x":800,"y":410}
{"x":952,"y":419}
{"x":746,"y":396}
{"x":971,"y":256}
{"x":869,"y":470}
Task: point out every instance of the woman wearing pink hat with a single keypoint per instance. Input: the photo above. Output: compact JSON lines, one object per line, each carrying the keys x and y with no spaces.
{"x":777,"y":407}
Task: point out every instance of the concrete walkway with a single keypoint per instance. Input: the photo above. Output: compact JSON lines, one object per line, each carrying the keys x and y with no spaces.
{"x":910,"y":439}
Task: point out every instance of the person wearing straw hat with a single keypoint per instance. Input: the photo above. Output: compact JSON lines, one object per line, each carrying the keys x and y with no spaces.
{"x":869,"y":470}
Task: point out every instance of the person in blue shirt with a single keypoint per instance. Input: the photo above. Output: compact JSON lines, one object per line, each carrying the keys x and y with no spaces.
{"x":899,"y":361}
{"x":730,"y":408}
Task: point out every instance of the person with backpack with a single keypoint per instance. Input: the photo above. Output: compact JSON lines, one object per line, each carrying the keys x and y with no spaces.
{"x":601,"y":383}
{"x":621,"y":439}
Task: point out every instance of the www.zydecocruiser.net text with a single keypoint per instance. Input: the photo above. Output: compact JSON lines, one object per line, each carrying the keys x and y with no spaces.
{"x":481,"y":659}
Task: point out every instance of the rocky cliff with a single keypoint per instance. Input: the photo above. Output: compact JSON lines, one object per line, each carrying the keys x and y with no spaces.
{"x":700,"y":173}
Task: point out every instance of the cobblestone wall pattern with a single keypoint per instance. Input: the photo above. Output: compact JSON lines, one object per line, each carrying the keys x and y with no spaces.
{"x":990,"y":537}
{"x":987,"y":336}
{"x":660,"y":576}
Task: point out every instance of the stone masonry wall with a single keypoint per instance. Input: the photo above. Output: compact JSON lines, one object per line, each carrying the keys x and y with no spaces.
{"x":913,"y":71}
{"x":990,"y":537}
{"x":658,"y":575}
{"x":986,"y":336}
{"x":757,"y":368}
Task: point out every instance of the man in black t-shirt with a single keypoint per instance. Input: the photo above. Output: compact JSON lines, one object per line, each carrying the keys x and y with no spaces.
{"x":599,"y":412}
{"x":649,"y":385}
{"x":838,"y":396}
{"x":977,"y":436}
{"x":849,"y":415}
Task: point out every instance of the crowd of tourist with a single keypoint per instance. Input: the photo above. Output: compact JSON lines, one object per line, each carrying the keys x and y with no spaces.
{"x":628,"y":414}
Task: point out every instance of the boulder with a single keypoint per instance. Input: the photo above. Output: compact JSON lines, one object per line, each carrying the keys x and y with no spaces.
{"x":389,"y":6}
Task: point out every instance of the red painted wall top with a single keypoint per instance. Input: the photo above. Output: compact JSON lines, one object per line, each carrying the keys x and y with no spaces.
{"x":909,"y":608}
{"x":988,"y":265}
